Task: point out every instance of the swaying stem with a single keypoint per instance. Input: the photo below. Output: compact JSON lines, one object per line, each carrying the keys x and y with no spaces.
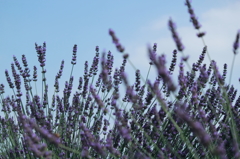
{"x":232,"y":68}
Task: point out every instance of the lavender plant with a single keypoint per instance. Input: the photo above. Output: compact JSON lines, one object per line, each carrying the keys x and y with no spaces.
{"x":100,"y":121}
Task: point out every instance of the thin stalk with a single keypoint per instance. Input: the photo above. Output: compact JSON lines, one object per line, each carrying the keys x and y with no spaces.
{"x":232,"y":68}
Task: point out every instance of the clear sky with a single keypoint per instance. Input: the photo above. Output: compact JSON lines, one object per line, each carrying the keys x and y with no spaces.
{"x":136,"y":23}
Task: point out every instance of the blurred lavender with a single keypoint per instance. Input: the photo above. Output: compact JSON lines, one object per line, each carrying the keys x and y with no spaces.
{"x":236,"y":43}
{"x":197,"y":118}
{"x":194,"y":19}
{"x":172,"y":27}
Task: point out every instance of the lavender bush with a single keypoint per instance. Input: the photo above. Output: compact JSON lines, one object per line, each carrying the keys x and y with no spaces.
{"x":198,"y":118}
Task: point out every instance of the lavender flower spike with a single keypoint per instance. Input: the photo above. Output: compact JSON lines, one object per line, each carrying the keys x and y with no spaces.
{"x":172,"y":27}
{"x":74,"y":56}
{"x":193,"y":18}
{"x":236,"y":43}
{"x":115,"y":40}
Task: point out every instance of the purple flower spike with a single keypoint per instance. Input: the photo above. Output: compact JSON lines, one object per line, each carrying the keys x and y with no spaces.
{"x":160,"y":62}
{"x":41,"y":51}
{"x":74,"y":57}
{"x":115,"y":40}
{"x":1,"y":89}
{"x":9,"y":79}
{"x":172,"y":27}
{"x":236,"y":43}
{"x":96,"y":97}
{"x":193,"y":18}
{"x":174,"y":61}
{"x":24,"y":60}
{"x":34,"y":73}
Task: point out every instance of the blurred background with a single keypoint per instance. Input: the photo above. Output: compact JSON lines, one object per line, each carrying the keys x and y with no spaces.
{"x":137,"y":24}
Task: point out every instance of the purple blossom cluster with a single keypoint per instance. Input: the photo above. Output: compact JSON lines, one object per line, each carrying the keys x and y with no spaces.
{"x":197,"y":118}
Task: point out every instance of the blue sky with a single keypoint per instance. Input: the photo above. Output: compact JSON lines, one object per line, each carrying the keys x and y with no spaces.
{"x":136,"y":23}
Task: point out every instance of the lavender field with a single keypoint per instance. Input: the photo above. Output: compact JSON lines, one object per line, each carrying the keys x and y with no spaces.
{"x":170,"y":107}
